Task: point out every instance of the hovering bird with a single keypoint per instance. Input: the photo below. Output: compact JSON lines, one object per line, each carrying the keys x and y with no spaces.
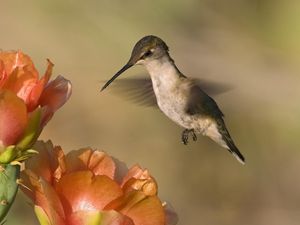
{"x":179,"y":97}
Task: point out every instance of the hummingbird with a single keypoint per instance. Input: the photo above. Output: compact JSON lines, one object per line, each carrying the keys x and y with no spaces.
{"x":180,"y":98}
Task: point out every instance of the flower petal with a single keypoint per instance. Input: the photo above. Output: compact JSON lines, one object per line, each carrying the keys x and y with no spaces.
{"x":37,"y":90}
{"x":102,"y":164}
{"x":83,"y":191}
{"x":136,"y":172}
{"x":171,"y":215}
{"x":44,"y":196}
{"x":21,"y":81}
{"x":114,"y":218}
{"x":55,"y":94}
{"x":13,"y":59}
{"x":20,"y":75}
{"x":41,"y":215}
{"x":98,"y":162}
{"x":142,"y":209}
{"x":49,"y":163}
{"x":147,"y":186}
{"x":126,"y":201}
{"x":3,"y":75}
{"x":139,"y":179}
{"x":147,"y":212}
{"x":120,"y":171}
{"x":99,"y":218}
{"x":13,"y":118}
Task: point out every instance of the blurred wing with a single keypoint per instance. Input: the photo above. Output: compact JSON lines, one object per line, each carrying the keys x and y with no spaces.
{"x":137,"y":90}
{"x":140,"y":90}
{"x":212,"y":88}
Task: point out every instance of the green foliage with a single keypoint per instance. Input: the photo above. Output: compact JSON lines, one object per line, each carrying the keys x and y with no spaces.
{"x":8,"y":187}
{"x":32,"y":131}
{"x":8,"y":154}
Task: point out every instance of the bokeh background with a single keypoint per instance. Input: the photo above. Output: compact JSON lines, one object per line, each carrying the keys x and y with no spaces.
{"x":252,"y":45}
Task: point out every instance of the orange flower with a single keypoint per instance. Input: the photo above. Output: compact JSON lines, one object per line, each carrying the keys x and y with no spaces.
{"x":26,"y":102}
{"x":90,"y":187}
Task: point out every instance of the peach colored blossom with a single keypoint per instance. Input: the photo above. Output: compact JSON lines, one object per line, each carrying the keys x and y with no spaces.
{"x":27,"y":102}
{"x":89,"y":187}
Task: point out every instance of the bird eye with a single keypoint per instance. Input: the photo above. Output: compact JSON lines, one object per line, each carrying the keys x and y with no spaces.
{"x":148,"y":53}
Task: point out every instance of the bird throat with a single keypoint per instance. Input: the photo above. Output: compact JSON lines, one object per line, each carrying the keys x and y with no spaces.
{"x":163,"y":72}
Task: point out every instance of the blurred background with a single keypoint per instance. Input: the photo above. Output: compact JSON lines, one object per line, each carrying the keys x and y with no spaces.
{"x":252,"y":45}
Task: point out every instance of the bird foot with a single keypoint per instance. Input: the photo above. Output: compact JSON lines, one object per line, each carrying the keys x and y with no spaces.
{"x":185,"y":136}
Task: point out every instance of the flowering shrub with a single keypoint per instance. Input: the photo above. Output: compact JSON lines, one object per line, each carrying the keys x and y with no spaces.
{"x":89,"y":187}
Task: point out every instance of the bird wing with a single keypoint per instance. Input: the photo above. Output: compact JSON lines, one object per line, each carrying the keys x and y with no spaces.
{"x":140,"y":91}
{"x":137,"y":90}
{"x":201,"y":103}
{"x":212,"y":87}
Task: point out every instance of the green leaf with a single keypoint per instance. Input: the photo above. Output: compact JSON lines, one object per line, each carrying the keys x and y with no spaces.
{"x":8,"y":187}
{"x":8,"y":155}
{"x":32,"y":130}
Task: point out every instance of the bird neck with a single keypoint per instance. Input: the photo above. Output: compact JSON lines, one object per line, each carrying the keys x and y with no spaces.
{"x":163,"y":69}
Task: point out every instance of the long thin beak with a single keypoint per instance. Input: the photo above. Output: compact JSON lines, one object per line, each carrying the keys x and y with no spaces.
{"x":124,"y":68}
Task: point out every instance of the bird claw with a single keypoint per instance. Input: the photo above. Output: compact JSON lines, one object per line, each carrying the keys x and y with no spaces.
{"x":194,"y":136}
{"x":185,"y":136}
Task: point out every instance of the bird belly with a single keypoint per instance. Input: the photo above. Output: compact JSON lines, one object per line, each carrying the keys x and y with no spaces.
{"x":173,"y":106}
{"x":172,"y":97}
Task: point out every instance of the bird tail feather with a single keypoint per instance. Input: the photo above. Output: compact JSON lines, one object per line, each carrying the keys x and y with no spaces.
{"x":229,"y":144}
{"x":218,"y":132}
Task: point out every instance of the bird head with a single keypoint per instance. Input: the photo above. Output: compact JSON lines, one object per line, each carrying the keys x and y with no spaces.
{"x":147,"y":49}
